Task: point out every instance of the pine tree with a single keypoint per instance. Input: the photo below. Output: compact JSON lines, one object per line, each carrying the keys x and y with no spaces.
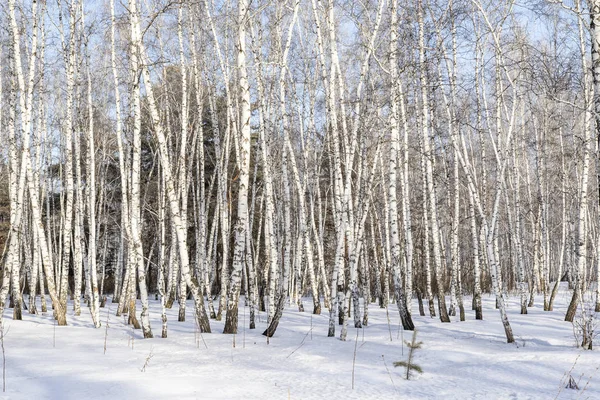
{"x":408,"y":364}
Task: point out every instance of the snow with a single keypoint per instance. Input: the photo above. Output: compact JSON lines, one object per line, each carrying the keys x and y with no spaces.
{"x":460,"y":360}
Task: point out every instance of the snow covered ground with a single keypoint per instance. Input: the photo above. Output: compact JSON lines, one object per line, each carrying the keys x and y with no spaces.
{"x":460,"y":360}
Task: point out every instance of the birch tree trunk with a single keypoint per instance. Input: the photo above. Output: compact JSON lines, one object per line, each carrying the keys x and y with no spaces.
{"x":564,"y":227}
{"x":77,"y":227}
{"x":401,"y":300}
{"x":241,"y":229}
{"x":594,"y":6}
{"x":581,"y":244}
{"x":91,"y":197}
{"x":67,"y":133}
{"x":136,"y":250}
{"x":428,"y":155}
{"x":518,"y":243}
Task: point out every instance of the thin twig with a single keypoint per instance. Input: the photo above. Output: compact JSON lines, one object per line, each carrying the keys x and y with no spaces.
{"x":387,"y":314}
{"x":589,"y":380}
{"x":389,"y":373}
{"x":301,"y":343}
{"x":2,"y":335}
{"x":354,"y":358}
{"x":106,"y":329}
{"x":148,"y":358}
{"x":566,"y":374}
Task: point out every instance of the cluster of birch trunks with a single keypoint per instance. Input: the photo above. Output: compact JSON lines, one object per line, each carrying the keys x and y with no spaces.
{"x":327,"y":153}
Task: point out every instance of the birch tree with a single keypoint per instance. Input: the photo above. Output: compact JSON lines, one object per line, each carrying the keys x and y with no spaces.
{"x":241,"y":230}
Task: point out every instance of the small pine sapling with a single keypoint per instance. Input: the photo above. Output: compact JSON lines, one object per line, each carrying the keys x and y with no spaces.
{"x":572,"y":384}
{"x":408,"y":364}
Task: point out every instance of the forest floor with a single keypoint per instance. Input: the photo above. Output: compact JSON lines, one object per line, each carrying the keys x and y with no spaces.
{"x":460,"y":360}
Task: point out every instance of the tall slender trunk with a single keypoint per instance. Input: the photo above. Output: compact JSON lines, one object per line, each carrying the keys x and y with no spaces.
{"x":428,"y":154}
{"x":564,"y":225}
{"x":594,"y":6}
{"x":581,"y":244}
{"x":241,"y":229}
{"x":136,"y":250}
{"x":401,"y":299}
{"x":91,"y":198}
{"x":67,"y":133}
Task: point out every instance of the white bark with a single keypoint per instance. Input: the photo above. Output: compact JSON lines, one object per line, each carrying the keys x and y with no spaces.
{"x":91,"y":197}
{"x":428,"y":154}
{"x":241,"y":229}
{"x":401,"y":299}
{"x":581,"y":244}
{"x":135,"y":249}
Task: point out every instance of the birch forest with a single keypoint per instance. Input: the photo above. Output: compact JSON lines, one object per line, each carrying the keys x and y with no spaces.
{"x":325,"y":156}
